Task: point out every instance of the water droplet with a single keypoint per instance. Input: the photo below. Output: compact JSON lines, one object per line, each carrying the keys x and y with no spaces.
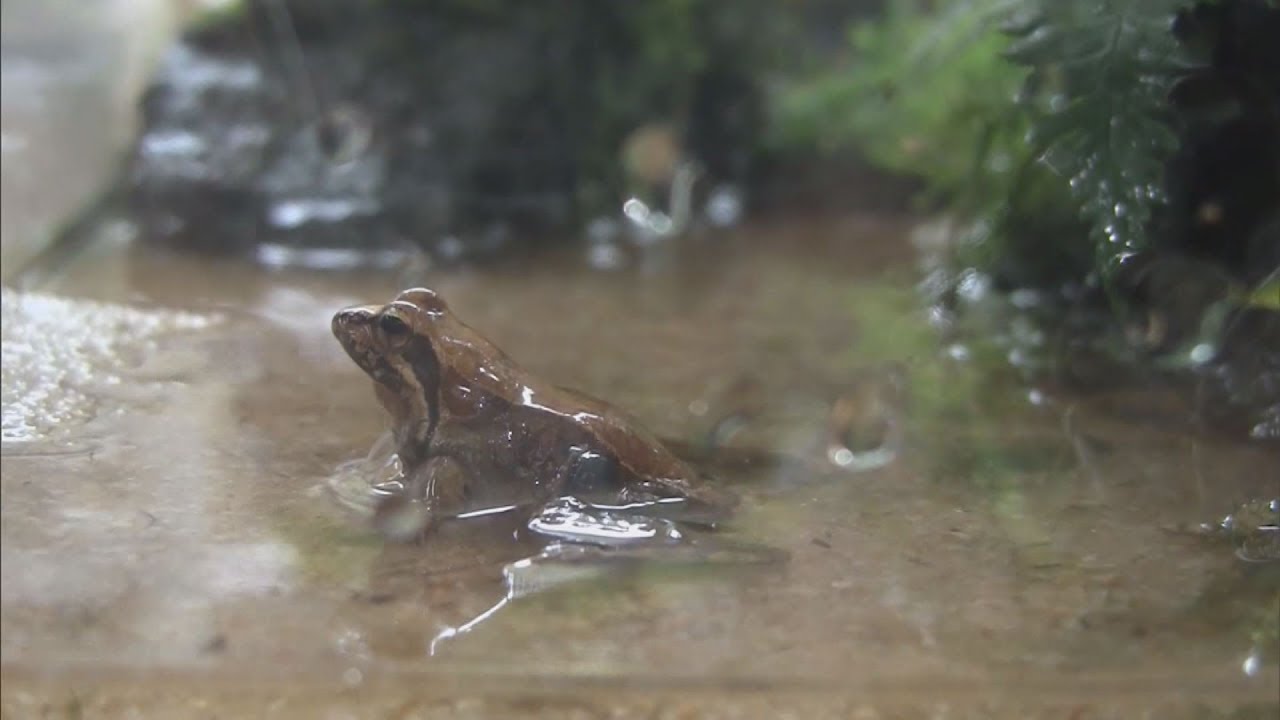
{"x":842,"y":457}
{"x":973,"y":286}
{"x":939,"y":317}
{"x":352,"y":677}
{"x":1228,"y":523}
{"x":1252,"y":665}
{"x":636,"y":211}
{"x":1202,"y":353}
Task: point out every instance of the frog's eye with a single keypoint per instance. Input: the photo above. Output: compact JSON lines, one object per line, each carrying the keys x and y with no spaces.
{"x":392,"y":326}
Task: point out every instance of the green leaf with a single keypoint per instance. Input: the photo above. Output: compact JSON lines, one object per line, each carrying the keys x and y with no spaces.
{"x":1100,"y":114}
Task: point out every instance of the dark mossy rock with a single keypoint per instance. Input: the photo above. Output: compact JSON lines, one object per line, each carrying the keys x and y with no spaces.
{"x":370,"y":124}
{"x":1223,"y":184}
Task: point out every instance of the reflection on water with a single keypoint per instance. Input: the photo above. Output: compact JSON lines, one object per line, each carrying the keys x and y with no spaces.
{"x":1254,"y":530}
{"x":556,"y":565}
{"x":572,"y":520}
{"x":987,"y":533}
{"x":595,"y":544}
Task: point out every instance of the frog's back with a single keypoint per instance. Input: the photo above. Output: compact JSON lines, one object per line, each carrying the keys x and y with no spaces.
{"x":636,"y":449}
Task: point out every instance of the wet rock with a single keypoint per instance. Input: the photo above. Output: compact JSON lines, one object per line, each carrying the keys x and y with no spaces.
{"x":459,"y":126}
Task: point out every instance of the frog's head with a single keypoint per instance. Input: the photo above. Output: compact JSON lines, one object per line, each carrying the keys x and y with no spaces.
{"x":392,"y":343}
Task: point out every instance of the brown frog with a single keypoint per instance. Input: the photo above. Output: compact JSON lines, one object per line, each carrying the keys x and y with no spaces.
{"x":475,"y":431}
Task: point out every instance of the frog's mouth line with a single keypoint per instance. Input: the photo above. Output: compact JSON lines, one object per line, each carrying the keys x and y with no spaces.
{"x":419,"y":384}
{"x":410,"y":373}
{"x":357,"y":341}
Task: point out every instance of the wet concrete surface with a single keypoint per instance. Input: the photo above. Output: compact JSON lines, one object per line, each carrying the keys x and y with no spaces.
{"x":177,"y":550}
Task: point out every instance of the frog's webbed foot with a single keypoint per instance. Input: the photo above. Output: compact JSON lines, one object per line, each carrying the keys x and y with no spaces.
{"x":646,"y":498}
{"x":434,"y":490}
{"x":598,"y":480}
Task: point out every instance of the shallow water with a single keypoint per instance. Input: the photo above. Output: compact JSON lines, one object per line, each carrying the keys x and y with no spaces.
{"x":1018,"y":543}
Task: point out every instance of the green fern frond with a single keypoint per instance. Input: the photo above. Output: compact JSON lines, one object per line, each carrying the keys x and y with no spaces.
{"x":1100,"y":73}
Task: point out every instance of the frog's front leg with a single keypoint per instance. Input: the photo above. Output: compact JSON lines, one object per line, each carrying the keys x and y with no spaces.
{"x":434,"y":489}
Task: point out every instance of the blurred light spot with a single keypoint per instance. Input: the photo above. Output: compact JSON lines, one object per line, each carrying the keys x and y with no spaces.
{"x":636,"y":211}
{"x":1252,"y":664}
{"x":1202,"y":353}
{"x":724,"y":206}
{"x":939,"y":317}
{"x":175,"y":143}
{"x":1209,"y":213}
{"x":606,"y":256}
{"x":602,"y":230}
{"x":276,"y":255}
{"x":289,"y":214}
{"x":10,"y":143}
{"x":1024,"y":299}
{"x":660,"y":224}
{"x":842,"y":457}
{"x":450,"y":247}
{"x":973,"y":286}
{"x":863,"y":461}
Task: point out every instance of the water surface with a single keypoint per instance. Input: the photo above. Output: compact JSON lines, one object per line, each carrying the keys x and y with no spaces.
{"x":1018,"y":541}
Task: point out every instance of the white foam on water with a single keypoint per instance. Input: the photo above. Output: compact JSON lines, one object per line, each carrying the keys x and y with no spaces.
{"x":60,"y":354}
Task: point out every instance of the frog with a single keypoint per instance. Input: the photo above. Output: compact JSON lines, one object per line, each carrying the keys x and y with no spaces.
{"x":474,"y":431}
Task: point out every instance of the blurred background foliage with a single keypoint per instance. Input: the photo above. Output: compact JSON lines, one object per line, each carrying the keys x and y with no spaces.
{"x":1124,"y":152}
{"x":1073,"y":136}
{"x":1120,"y":159}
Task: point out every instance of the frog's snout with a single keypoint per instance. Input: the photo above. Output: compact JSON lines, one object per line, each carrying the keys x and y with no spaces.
{"x":352,"y":329}
{"x":344,"y":321}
